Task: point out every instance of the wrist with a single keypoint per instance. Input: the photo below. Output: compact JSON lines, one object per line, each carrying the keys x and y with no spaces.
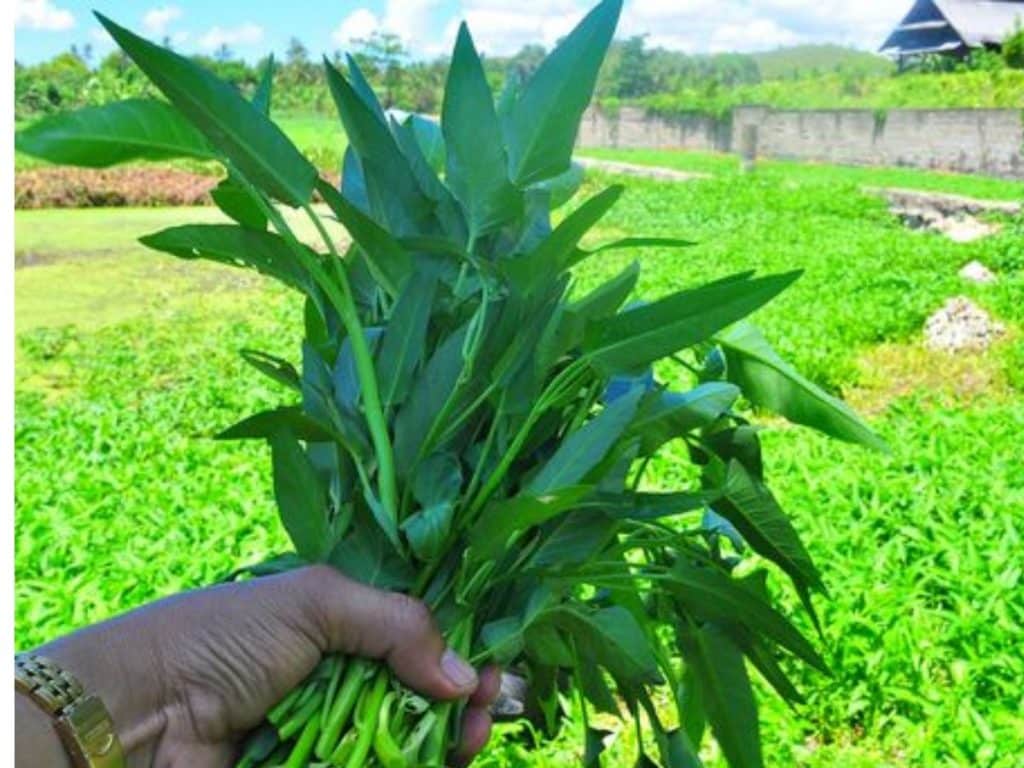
{"x":124,"y":677}
{"x":36,"y":741}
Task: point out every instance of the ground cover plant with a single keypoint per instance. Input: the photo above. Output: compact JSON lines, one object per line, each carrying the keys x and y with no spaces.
{"x":127,"y":361}
{"x":471,"y":434}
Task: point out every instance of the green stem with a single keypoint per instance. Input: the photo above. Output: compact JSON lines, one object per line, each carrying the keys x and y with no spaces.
{"x":304,"y":746}
{"x":341,"y":708}
{"x":345,"y":305}
{"x":369,"y":711}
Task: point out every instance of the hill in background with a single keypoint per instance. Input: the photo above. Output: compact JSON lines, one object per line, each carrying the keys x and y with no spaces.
{"x":799,"y":61}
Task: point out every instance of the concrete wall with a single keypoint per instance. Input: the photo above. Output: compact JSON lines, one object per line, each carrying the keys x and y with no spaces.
{"x":987,"y":141}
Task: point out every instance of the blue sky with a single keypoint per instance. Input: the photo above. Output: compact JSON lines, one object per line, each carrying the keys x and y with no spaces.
{"x":251,"y":29}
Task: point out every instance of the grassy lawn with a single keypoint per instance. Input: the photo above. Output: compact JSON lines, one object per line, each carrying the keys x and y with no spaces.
{"x":128,"y":362}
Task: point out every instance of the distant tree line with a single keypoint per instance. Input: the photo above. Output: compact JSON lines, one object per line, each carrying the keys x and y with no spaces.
{"x":633,"y":71}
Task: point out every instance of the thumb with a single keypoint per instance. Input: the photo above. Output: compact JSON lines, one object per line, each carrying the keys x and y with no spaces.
{"x":371,"y":623}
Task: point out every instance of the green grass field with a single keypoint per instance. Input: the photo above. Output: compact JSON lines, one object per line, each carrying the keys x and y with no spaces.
{"x":127,"y":364}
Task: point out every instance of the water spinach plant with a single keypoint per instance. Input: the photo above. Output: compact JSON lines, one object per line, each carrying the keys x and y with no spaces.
{"x":466,"y":428}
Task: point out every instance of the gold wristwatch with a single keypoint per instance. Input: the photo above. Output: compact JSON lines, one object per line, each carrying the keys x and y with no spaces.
{"x":81,"y":720}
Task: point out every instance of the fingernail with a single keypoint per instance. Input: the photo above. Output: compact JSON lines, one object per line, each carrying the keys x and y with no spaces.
{"x":457,"y":670}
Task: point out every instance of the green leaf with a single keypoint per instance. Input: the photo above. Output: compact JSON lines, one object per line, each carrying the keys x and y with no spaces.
{"x":555,"y":253}
{"x":387,"y":260}
{"x":544,"y":643}
{"x":368,"y":557}
{"x":301,"y":500}
{"x":594,"y":746}
{"x":434,"y":385}
{"x":638,"y":337}
{"x":430,"y":139}
{"x":249,"y":140}
{"x":239,"y":203}
{"x":405,"y":338}
{"x":665,"y":416}
{"x":709,"y":593}
{"x":725,"y":690}
{"x":438,"y":479}
{"x":273,"y":367}
{"x":540,"y":130}
{"x":503,"y":639}
{"x":261,"y":97}
{"x":561,"y":188}
{"x":614,"y":638}
{"x":427,"y":530}
{"x":134,"y":129}
{"x":364,"y":90}
{"x":235,"y":246}
{"x":577,"y":538}
{"x":606,"y":299}
{"x":265,"y":424}
{"x":654,"y":506}
{"x":750,"y":506}
{"x":393,"y":191}
{"x":476,"y":164}
{"x":770,"y":382}
{"x":585,"y":448}
{"x":501,"y":520}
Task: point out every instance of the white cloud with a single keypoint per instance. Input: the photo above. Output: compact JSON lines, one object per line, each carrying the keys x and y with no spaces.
{"x":502,"y":27}
{"x":156,"y":20}
{"x":42,"y":14}
{"x":358,"y":25}
{"x":411,"y":20}
{"x":247,"y":33}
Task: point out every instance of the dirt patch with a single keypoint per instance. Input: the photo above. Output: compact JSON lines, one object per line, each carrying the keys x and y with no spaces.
{"x":890,"y":371}
{"x":961,"y":219}
{"x":644,"y":171}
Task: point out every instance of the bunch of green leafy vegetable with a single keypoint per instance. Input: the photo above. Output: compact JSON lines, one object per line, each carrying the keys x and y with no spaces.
{"x":466,"y":430}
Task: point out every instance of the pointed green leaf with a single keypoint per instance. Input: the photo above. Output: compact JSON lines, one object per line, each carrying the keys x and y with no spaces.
{"x":665,"y":416}
{"x":301,"y":500}
{"x":433,"y":387}
{"x":770,"y":382}
{"x":751,"y":507}
{"x":430,"y":139}
{"x":503,"y":639}
{"x":726,"y":693}
{"x":396,"y":199}
{"x":594,"y":746}
{"x":387,"y":260}
{"x":265,"y":424}
{"x":613,"y":637}
{"x":261,"y":97}
{"x":541,"y":127}
{"x":405,"y":339}
{"x":709,"y":593}
{"x":575,"y":539}
{"x":239,"y":203}
{"x":427,"y":530}
{"x":250,"y":141}
{"x":585,"y":448}
{"x":555,"y":253}
{"x":638,"y":337}
{"x":134,"y":129}
{"x":235,"y":246}
{"x":476,"y":164}
{"x":561,"y":188}
{"x":606,"y":299}
{"x":501,"y":520}
{"x":273,"y":367}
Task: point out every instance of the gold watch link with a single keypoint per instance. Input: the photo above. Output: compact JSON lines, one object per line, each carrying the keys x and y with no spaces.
{"x":82,"y":721}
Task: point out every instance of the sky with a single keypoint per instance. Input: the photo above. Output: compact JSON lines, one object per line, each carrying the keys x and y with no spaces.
{"x":251,"y":29}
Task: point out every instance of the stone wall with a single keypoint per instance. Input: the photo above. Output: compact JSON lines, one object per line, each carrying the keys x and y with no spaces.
{"x":987,"y":141}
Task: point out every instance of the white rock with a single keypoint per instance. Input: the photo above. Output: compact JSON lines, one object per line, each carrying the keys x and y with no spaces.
{"x":976,"y":272}
{"x":961,"y":325}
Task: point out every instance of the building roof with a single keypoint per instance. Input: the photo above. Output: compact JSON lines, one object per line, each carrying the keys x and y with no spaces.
{"x":935,"y":26}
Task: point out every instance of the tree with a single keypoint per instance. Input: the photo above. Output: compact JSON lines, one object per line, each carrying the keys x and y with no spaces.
{"x":632,"y":74}
{"x":1013,"y":48}
{"x":383,"y":55}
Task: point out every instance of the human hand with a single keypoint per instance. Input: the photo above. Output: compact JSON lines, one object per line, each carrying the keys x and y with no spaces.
{"x":186,"y":677}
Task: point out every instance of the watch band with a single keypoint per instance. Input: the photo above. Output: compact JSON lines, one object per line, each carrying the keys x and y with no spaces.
{"x":82,"y":721}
